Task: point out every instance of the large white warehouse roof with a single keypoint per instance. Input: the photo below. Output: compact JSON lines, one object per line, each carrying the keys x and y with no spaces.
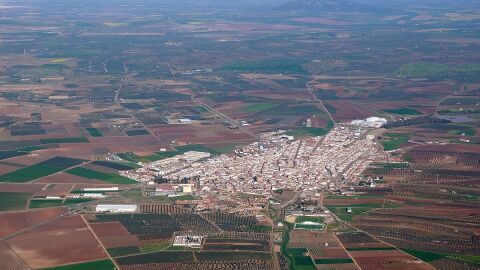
{"x":116,"y":208}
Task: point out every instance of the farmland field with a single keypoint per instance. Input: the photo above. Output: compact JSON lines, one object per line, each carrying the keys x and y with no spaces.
{"x":107,"y":177}
{"x":42,"y":169}
{"x":97,"y":265}
{"x":13,"y":201}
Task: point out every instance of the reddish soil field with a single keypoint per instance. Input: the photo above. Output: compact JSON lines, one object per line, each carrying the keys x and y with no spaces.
{"x":352,"y":201}
{"x":329,"y":253}
{"x":16,"y":221}
{"x":458,"y":148}
{"x":28,"y":188}
{"x":341,"y":266}
{"x":60,"y":190}
{"x":69,"y":241}
{"x":395,"y":259}
{"x":312,"y":239}
{"x":4,"y":169}
{"x":65,"y":178}
{"x":28,"y":159}
{"x":9,"y":260}
{"x":137,"y":144}
{"x":346,"y":110}
{"x":113,"y":234}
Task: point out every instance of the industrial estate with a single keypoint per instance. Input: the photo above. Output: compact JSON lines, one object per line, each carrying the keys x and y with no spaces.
{"x":239,"y":135}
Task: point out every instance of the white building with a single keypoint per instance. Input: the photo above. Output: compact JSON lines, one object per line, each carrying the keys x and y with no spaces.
{"x":191,"y":241}
{"x":116,"y":208}
{"x":372,"y":122}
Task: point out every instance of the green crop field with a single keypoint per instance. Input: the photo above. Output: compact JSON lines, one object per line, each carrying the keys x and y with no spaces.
{"x":39,"y":170}
{"x":45,"y":203}
{"x":13,"y":201}
{"x":333,"y":261}
{"x":395,"y":142}
{"x":303,"y":263}
{"x":403,"y":111}
{"x":311,"y":227}
{"x":425,"y":256}
{"x":29,"y":173}
{"x":117,"y":165}
{"x":107,"y":177}
{"x":420,"y":70}
{"x":10,"y":154}
{"x":95,"y":265}
{"x":94,"y":132}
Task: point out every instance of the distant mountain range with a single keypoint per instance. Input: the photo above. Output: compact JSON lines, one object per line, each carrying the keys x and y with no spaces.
{"x":330,"y":6}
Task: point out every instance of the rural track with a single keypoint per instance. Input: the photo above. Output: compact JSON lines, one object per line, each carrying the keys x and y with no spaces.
{"x":100,"y":242}
{"x":315,"y":98}
{"x":226,"y":118}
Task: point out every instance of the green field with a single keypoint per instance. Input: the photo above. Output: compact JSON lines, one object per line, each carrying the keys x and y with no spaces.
{"x":303,"y":263}
{"x":333,"y":261}
{"x":311,"y":131}
{"x":29,"y":173}
{"x":258,"y":107}
{"x":107,"y":177}
{"x":95,"y":265}
{"x":10,"y":154}
{"x":310,"y":227}
{"x":45,"y":203}
{"x":13,"y":201}
{"x":395,"y":142}
{"x":403,"y":111}
{"x":468,"y":72}
{"x":117,"y":165}
{"x":425,"y":256}
{"x":39,"y":170}
{"x":420,"y":70}
{"x":94,"y":132}
{"x":466,"y":132}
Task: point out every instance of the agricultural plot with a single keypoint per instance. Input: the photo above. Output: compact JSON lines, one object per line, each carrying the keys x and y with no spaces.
{"x":13,"y":201}
{"x":80,"y":243}
{"x":16,"y":221}
{"x":121,"y":166}
{"x":137,"y":132}
{"x":123,"y":251}
{"x":94,"y":132}
{"x":107,"y":177}
{"x":394,"y":141}
{"x":45,"y":203}
{"x":403,"y":111}
{"x":10,"y":154}
{"x":230,"y":222}
{"x":39,"y":170}
{"x":97,"y":265}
